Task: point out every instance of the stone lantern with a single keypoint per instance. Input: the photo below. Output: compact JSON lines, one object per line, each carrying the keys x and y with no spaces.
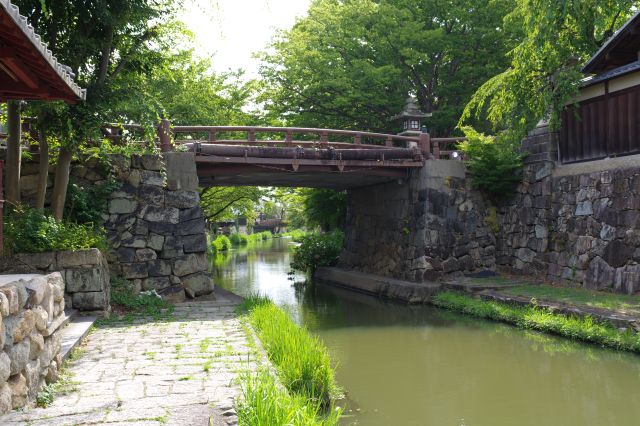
{"x":411,"y":119}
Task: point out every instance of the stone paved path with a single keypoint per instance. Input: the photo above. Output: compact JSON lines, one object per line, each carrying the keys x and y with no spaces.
{"x":178,"y":372}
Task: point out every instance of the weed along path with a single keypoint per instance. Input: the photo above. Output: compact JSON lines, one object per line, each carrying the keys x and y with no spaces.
{"x":182,"y":369}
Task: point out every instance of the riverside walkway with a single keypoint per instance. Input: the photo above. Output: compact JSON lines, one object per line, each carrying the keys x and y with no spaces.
{"x":179,"y":370}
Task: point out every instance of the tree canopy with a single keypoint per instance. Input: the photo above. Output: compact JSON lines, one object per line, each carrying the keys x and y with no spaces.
{"x":352,"y":63}
{"x":544,"y":71}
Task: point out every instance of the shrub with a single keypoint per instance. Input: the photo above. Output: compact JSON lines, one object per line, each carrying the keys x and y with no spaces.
{"x":87,"y":205}
{"x":220,"y":243}
{"x":495,"y":163}
{"x":317,"y":250}
{"x":31,"y":231}
{"x":296,"y":235}
{"x":238,"y":239}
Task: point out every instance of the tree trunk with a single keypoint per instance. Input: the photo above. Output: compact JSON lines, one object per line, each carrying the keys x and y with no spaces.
{"x":61,"y":182}
{"x":14,"y":152}
{"x":43,"y":169}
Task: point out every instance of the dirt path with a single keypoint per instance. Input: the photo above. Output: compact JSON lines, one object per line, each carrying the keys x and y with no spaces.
{"x":178,"y":371}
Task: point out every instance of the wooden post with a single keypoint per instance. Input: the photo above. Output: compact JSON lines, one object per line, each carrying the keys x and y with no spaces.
{"x":389,"y":141}
{"x":164,"y":136}
{"x":425,"y":144}
{"x":14,"y":152}
{"x":436,"y":150}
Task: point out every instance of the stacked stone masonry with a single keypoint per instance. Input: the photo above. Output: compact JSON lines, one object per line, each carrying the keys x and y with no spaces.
{"x":86,"y":274}
{"x":156,"y":227}
{"x":434,"y":226}
{"x":567,"y":224}
{"x":31,"y":316}
{"x":581,"y":228}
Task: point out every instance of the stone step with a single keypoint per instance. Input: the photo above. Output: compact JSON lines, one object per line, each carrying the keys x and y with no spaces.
{"x":74,"y":332}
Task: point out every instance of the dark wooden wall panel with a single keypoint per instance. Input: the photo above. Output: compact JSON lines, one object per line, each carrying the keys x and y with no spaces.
{"x":600,"y":127}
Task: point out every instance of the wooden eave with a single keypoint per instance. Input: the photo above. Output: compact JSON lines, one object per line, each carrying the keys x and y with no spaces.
{"x":28,"y":70}
{"x":621,"y":49}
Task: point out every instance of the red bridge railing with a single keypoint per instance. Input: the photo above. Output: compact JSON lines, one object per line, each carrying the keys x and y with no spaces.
{"x":168,"y":136}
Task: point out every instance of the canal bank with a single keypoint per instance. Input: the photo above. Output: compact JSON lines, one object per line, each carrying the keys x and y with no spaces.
{"x":595,"y":317}
{"x":420,"y":365}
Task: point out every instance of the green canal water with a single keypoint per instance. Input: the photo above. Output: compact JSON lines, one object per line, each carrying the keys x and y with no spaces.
{"x":403,"y":365}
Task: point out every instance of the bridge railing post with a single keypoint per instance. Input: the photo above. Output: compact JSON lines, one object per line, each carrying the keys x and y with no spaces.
{"x":164,"y":135}
{"x":425,"y":144}
{"x":436,"y":150}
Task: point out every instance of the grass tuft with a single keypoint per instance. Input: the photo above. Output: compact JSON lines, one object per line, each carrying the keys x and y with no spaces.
{"x":536,"y":318}
{"x":264,"y":403}
{"x":302,"y":361}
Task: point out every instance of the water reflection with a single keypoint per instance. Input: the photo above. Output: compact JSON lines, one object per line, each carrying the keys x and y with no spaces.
{"x":423,"y":366}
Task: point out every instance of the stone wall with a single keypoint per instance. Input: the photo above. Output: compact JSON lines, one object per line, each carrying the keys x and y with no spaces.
{"x":31,"y":316}
{"x":156,"y":226}
{"x":85,"y":272}
{"x":577,"y":223}
{"x":428,"y":226}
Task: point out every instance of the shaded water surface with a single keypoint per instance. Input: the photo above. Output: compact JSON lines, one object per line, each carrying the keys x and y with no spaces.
{"x":404,"y":365}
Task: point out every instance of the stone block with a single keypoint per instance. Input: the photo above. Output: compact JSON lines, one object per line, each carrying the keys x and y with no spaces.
{"x":126,"y":254}
{"x":190,"y":264}
{"x":172,"y":248}
{"x":5,"y":367}
{"x":191,"y":227}
{"x":162,"y":215}
{"x":134,"y":270}
{"x":159,"y":268}
{"x":4,"y":305}
{"x":155,"y":283}
{"x":136,"y":241}
{"x":71,"y":259}
{"x":182,"y":199}
{"x":36,"y":344}
{"x":194,"y":243}
{"x":584,"y":208}
{"x":146,"y":254}
{"x":92,"y":279}
{"x":151,"y":195}
{"x":19,"y":391}
{"x":122,"y":206}
{"x":17,"y":327}
{"x":148,"y":177}
{"x":617,"y":254}
{"x":90,"y":301}
{"x":600,"y":274}
{"x":19,"y":356}
{"x":5,"y":398}
{"x":41,"y":261}
{"x":37,"y":288}
{"x":152,"y":162}
{"x":190,"y":214}
{"x":41,"y":318}
{"x":34,"y":380}
{"x":627,"y":279}
{"x":155,"y":241}
{"x":198,"y":284}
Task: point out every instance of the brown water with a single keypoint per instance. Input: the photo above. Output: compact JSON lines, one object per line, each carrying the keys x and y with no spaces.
{"x":404,"y":365}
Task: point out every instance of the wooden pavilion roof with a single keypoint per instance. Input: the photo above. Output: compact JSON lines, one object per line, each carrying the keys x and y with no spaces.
{"x":28,"y":69}
{"x":621,"y":49}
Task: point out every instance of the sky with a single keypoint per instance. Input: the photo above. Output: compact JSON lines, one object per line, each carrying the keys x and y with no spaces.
{"x":230,"y":31}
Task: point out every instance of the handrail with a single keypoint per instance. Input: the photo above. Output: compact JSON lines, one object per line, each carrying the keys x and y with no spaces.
{"x":262,"y":129}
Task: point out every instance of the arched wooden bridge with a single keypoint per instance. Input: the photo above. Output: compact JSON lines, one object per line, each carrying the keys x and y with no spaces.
{"x":300,"y":157}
